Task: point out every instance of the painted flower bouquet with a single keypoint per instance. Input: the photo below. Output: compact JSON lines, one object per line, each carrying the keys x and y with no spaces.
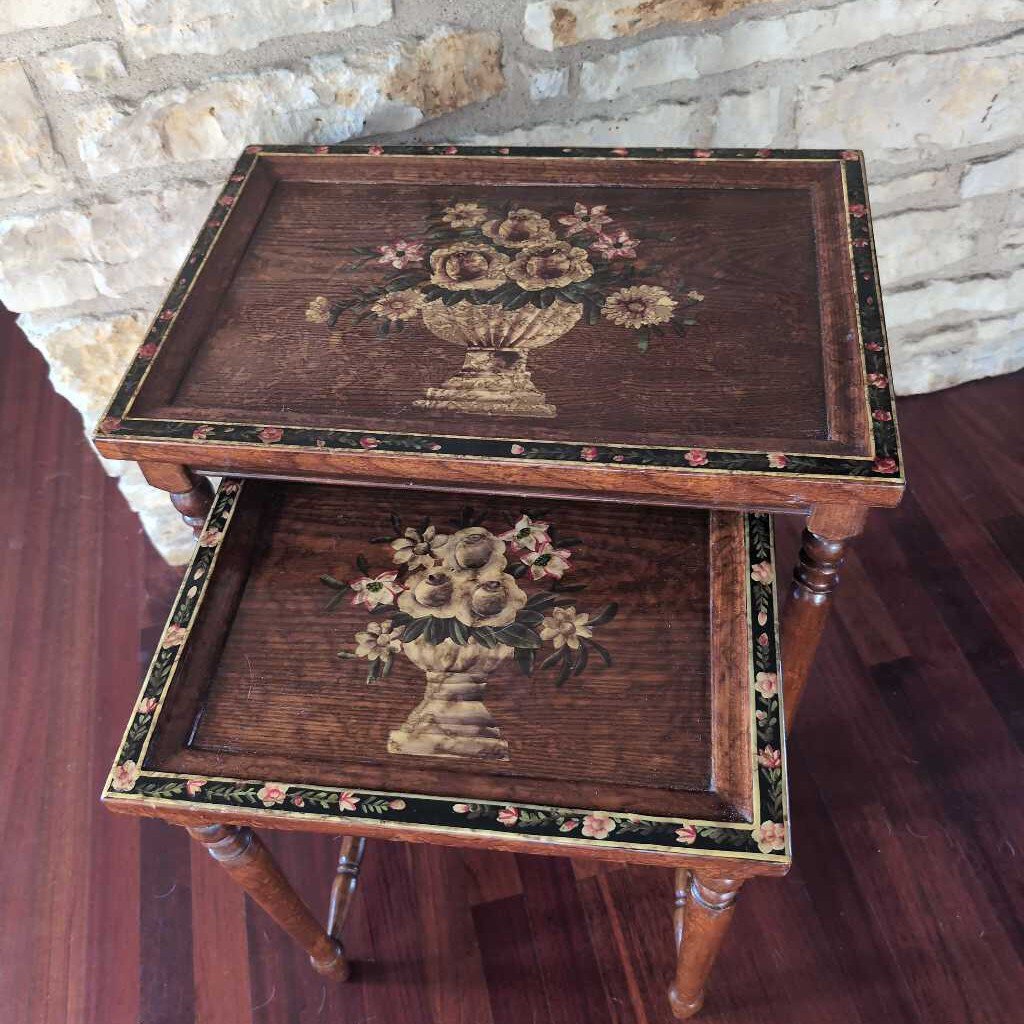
{"x":504,"y":283}
{"x":458,"y":605}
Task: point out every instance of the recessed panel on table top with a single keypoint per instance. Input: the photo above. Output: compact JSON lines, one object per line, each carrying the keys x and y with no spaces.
{"x":687,"y":314}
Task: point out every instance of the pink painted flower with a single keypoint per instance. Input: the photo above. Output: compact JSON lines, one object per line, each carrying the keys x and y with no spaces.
{"x":226,"y":201}
{"x":619,"y":151}
{"x":776,"y":460}
{"x":451,"y":150}
{"x":146,"y":351}
{"x":124,"y":776}
{"x":508,"y":816}
{"x":527,"y":534}
{"x":397,"y":804}
{"x":882,"y":415}
{"x":321,"y":149}
{"x":237,"y":177}
{"x":860,"y":243}
{"x":268,"y":435}
{"x":568,"y":825}
{"x":272,"y":794}
{"x":764,"y":152}
{"x":884,"y":465}
{"x":375,"y":150}
{"x":435,"y":447}
{"x":770,"y":836}
{"x":762,"y":618}
{"x":761,"y":716}
{"x":401,"y":254}
{"x":193,"y":786}
{"x":517,"y":449}
{"x":769,"y":757}
{"x":110,"y":425}
{"x":696,"y":457}
{"x":766,"y":683}
{"x":598,"y":825}
{"x":762,"y":640}
{"x":368,"y":442}
{"x":167,"y":314}
{"x":878,"y":380}
{"x":147,"y":706}
{"x":347,"y":801}
{"x":850,"y":154}
{"x":858,"y":209}
{"x":617,"y":246}
{"x":585,"y":218}
{"x":376,"y":590}
{"x":253,"y":149}
{"x":503,"y":150}
{"x":230,"y":487}
{"x":210,"y":538}
{"x":297,"y":800}
{"x":763,"y":572}
{"x":588,"y":453}
{"x":548,"y":561}
{"x":873,"y":346}
{"x":686,"y":834}
{"x":174,"y":636}
{"x":702,"y":154}
{"x":201,"y":433}
{"x":618,"y":458}
{"x":461,"y":808}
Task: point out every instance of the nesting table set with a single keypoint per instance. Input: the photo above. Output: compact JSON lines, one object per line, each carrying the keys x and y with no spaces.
{"x":500,"y":434}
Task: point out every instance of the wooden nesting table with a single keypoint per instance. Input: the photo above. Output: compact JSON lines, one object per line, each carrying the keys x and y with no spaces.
{"x":491,"y":563}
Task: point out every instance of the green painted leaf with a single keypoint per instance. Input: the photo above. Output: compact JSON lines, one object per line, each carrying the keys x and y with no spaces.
{"x":516,"y":635}
{"x":415,"y":629}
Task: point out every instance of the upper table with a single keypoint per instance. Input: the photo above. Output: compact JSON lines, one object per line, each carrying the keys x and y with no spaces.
{"x":681,"y":326}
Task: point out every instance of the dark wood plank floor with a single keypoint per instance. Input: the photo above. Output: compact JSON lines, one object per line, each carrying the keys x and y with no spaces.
{"x":904,"y":905}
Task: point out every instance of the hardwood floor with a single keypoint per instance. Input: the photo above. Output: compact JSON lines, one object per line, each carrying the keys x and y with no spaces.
{"x":904,"y":905}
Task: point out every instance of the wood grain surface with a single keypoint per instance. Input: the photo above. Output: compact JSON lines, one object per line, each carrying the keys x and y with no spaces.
{"x":904,"y":771}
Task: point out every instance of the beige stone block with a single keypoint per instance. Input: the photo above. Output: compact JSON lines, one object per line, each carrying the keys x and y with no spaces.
{"x":926,"y":243}
{"x":28,"y":162}
{"x":22,"y":14}
{"x":1003,"y":174}
{"x":77,"y":68}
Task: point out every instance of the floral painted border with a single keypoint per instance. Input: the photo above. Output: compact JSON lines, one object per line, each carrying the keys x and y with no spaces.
{"x":884,"y":466}
{"x":765,"y":839}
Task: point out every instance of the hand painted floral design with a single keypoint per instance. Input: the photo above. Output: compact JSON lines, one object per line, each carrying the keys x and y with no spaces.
{"x":769,"y":757}
{"x":174,"y":636}
{"x":770,"y":836}
{"x":457,"y":607}
{"x":766,"y":684}
{"x":504,"y":282}
{"x":598,"y":826}
{"x":272,"y":794}
{"x":124,"y":776}
{"x":763,"y":572}
{"x":686,"y":834}
{"x":508,"y":816}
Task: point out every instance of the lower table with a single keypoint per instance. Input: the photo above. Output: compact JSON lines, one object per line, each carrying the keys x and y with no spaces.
{"x":565,"y":677}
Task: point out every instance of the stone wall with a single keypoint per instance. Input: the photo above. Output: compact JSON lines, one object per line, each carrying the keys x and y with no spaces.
{"x":119,"y":118}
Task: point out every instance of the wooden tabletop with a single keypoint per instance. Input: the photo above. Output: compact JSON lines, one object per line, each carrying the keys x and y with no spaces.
{"x":397,"y":663}
{"x":679,"y":326}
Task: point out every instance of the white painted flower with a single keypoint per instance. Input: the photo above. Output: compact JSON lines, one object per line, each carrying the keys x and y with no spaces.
{"x":770,"y":836}
{"x":347,"y":801}
{"x":271,"y":794}
{"x":564,"y":627}
{"x":767,"y":684}
{"x":414,"y":549}
{"x":598,"y":825}
{"x":378,"y":641}
{"x":763,"y":573}
{"x":527,"y":535}
{"x":686,"y":834}
{"x":124,"y":776}
{"x":376,"y":590}
{"x":548,"y":561}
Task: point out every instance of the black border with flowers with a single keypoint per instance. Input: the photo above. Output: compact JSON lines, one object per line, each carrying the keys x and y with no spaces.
{"x":766,"y":838}
{"x":883,"y":466}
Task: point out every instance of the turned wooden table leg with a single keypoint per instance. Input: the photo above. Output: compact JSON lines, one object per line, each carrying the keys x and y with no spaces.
{"x":814,"y":581}
{"x":350,"y":856}
{"x":239,"y":851}
{"x":702,"y":916}
{"x":191,"y":495}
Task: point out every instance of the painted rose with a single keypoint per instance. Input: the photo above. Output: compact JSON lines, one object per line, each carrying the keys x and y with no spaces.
{"x":517,"y":449}
{"x":377,"y":590}
{"x":474,"y":548}
{"x":272,"y":794}
{"x":468,"y":265}
{"x":527,"y":534}
{"x":568,"y":825}
{"x":767,"y":684}
{"x":589,"y":453}
{"x":430,"y":593}
{"x":702,"y":154}
{"x":146,"y":351}
{"x":598,"y":826}
{"x":878,"y":380}
{"x":884,"y":465}
{"x":415,"y":550}
{"x":776,"y":460}
{"x":379,"y":640}
{"x":519,"y":229}
{"x":508,"y":816}
{"x":461,"y":808}
{"x":616,"y":246}
{"x":464,"y":215}
{"x":124,"y":776}
{"x":858,"y":209}
{"x":174,"y":636}
{"x":550,"y":265}
{"x":763,"y":572}
{"x":770,"y":836}
{"x":269,"y":435}
{"x":297,"y":800}
{"x":202,"y":433}
{"x":686,"y":834}
{"x":375,"y":150}
{"x":210,"y":538}
{"x":369,"y":442}
{"x":564,"y":627}
{"x":401,"y":254}
{"x":400,"y":305}
{"x":585,"y":218}
{"x":882,"y":416}
{"x":347,"y":801}
{"x":696,"y":457}
{"x":769,"y":758}
{"x":147,"y":705}
{"x":398,"y":804}
{"x":193,"y":786}
{"x":494,"y":601}
{"x":110,"y":425}
{"x":641,"y":305}
{"x":548,"y":561}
